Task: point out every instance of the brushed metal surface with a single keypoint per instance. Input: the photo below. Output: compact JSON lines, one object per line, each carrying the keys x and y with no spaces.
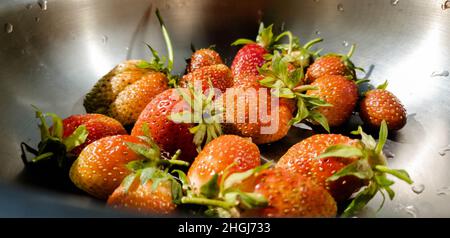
{"x":53,"y":56}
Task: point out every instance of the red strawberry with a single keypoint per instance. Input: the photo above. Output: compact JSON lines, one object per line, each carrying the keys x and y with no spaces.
{"x":342,"y":166}
{"x":97,"y":126}
{"x":219,"y":75}
{"x":300,"y":158}
{"x":100,"y":168}
{"x":338,"y":91}
{"x":292,"y":195}
{"x":332,"y":64}
{"x":380,"y":104}
{"x":169,"y":135}
{"x":218,"y":155}
{"x":202,"y":58}
{"x":144,"y":198}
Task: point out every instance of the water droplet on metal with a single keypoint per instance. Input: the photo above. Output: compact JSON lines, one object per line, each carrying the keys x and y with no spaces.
{"x":29,"y":6}
{"x":445,"y":5}
{"x":318,"y":32}
{"x":104,"y":39}
{"x":389,"y":154}
{"x":444,"y":150}
{"x":394,"y":2}
{"x":37,"y":19}
{"x":443,"y":191}
{"x":43,"y":5}
{"x":418,"y":189}
{"x":411,"y":210}
{"x":340,"y":7}
{"x":443,"y":73}
{"x":345,"y":43}
{"x":9,"y":28}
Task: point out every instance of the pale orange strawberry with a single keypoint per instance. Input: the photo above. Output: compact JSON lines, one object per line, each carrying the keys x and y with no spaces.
{"x":219,"y":75}
{"x":203,"y":57}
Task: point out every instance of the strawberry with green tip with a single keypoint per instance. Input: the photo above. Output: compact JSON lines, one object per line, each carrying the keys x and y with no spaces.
{"x":332,"y":64}
{"x":380,"y":104}
{"x":362,"y":160}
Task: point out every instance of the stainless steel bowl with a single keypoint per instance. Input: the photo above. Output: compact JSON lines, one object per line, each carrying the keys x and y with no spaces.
{"x":52,"y":52}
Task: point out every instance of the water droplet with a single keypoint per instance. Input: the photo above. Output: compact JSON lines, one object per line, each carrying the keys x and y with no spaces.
{"x":9,"y":28}
{"x":389,"y":154}
{"x":418,"y":189}
{"x":445,"y":5}
{"x":37,"y":19}
{"x":345,"y":43}
{"x":43,"y":5}
{"x":316,"y":0}
{"x":340,"y":7}
{"x":29,"y":6}
{"x":443,"y":73}
{"x":394,"y":2}
{"x":411,"y":210}
{"x":444,"y":150}
{"x":318,"y":32}
{"x":104,"y":39}
{"x":443,"y":191}
{"x":127,"y":49}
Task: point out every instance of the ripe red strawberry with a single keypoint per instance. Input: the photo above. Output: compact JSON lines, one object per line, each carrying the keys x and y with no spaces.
{"x":300,"y":158}
{"x":338,"y":91}
{"x":251,"y":112}
{"x":101,"y":166}
{"x":169,"y":135}
{"x":332,"y":64}
{"x":292,"y":195}
{"x":342,"y":166}
{"x":380,"y":104}
{"x":97,"y":126}
{"x":203,"y":57}
{"x":218,"y":155}
{"x":219,"y":75}
{"x":144,"y":198}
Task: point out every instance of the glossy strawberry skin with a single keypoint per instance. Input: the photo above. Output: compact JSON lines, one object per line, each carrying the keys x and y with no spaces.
{"x":341,"y":93}
{"x":300,"y":159}
{"x":169,"y":136}
{"x":202,"y":58}
{"x":219,"y":75}
{"x":143,"y":199}
{"x":219,"y":154}
{"x":327,"y":65}
{"x":247,"y":61}
{"x":292,"y":195}
{"x":101,"y":166}
{"x":97,"y":125}
{"x":378,"y":105}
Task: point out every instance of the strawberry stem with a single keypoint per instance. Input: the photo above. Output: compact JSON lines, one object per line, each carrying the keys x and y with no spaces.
{"x":166,"y":39}
{"x":352,"y":50}
{"x":206,"y":202}
{"x":311,"y":43}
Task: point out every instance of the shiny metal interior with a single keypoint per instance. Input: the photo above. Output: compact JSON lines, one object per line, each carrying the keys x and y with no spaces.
{"x":55,"y":54}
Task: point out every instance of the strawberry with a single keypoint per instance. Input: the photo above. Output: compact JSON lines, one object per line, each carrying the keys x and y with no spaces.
{"x":100,"y":167}
{"x":332,"y":64}
{"x":338,"y":91}
{"x":63,"y":142}
{"x":343,"y":166}
{"x":255,"y":113}
{"x":176,"y":121}
{"x":251,"y":56}
{"x":292,"y":195}
{"x":380,"y":104}
{"x":227,"y":152}
{"x":219,"y":75}
{"x":129,"y":87}
{"x":203,"y":57}
{"x":300,"y":158}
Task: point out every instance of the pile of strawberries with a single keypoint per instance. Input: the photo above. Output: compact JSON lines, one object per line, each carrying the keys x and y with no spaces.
{"x":170,"y":163}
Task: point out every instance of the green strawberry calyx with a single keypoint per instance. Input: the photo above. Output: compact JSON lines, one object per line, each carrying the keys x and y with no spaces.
{"x":203,"y":112}
{"x":53,"y":146}
{"x":370,"y":166}
{"x":296,"y":54}
{"x":155,"y":166}
{"x":265,"y":38}
{"x":222,"y":197}
{"x":286,"y":83}
{"x":348,"y":63}
{"x":161,"y":64}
